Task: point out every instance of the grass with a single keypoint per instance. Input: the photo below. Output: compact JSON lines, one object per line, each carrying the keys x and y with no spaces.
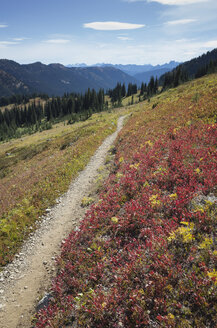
{"x":35,"y":170}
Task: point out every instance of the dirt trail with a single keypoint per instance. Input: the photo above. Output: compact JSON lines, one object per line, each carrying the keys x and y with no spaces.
{"x":23,"y":280}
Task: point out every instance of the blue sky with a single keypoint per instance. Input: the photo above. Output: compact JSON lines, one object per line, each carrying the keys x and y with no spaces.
{"x":109,"y":31}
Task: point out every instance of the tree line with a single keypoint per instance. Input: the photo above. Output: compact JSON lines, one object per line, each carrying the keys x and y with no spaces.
{"x":196,"y":68}
{"x":35,"y":116}
{"x":26,"y":117}
{"x":119,"y":92}
{"x":20,"y":99}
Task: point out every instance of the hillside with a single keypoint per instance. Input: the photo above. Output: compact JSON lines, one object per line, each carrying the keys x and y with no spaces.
{"x":9,"y":85}
{"x":146,"y":76}
{"x":145,"y":254}
{"x":191,"y":69}
{"x":56,"y":79}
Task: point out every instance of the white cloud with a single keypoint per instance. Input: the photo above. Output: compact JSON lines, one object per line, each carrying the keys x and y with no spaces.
{"x":7,"y":43}
{"x":112,"y":26}
{"x":180,"y":21}
{"x":20,"y":39}
{"x":124,"y":38}
{"x":210,"y":44}
{"x":57,"y":41}
{"x":171,"y":2}
{"x":177,"y":2}
{"x":3,"y":25}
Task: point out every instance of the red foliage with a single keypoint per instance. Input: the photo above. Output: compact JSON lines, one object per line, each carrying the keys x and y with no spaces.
{"x":139,"y":258}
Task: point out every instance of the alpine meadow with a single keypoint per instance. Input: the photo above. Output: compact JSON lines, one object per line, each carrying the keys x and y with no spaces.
{"x":108,"y":164}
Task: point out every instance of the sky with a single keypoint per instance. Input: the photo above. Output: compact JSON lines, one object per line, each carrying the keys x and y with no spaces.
{"x":106,"y":31}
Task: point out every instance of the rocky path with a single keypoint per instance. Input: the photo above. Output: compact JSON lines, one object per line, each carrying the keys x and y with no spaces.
{"x":24,"y":281}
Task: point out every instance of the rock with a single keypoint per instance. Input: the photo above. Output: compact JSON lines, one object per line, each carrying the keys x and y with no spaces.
{"x":6,"y":274}
{"x":45,"y":262}
{"x":44,"y":302}
{"x":25,"y":287}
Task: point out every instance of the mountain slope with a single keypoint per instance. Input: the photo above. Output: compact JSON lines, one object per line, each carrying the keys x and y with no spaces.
{"x":9,"y":85}
{"x":195,"y":67}
{"x":56,"y":79}
{"x":145,"y":76}
{"x":145,"y":253}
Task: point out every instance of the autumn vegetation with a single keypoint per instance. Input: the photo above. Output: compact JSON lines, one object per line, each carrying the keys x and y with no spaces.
{"x":145,"y":253}
{"x":37,"y":169}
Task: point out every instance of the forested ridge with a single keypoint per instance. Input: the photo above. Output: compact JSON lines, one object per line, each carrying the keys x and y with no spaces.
{"x":195,"y":68}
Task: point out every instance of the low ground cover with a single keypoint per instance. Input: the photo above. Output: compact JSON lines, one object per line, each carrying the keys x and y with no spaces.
{"x":145,"y":254}
{"x":36,"y":169}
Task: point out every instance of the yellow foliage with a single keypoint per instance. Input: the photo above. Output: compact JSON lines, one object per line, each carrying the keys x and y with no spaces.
{"x":171,"y":316}
{"x":154,"y":201}
{"x":160,"y":170}
{"x":86,"y":201}
{"x":173,"y":196}
{"x":149,"y":143}
{"x":119,"y":175}
{"x":206,"y":243}
{"x":114,"y":219}
{"x":185,"y":233}
{"x":135,"y":166}
{"x":213,"y":274}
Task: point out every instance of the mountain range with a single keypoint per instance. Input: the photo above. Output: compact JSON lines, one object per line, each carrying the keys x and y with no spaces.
{"x":142,"y":73}
{"x":56,"y":79}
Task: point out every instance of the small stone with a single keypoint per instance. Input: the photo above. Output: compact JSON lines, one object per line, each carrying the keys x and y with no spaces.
{"x":6,"y":274}
{"x":1,"y":291}
{"x":45,"y":262}
{"x":1,"y":306}
{"x":25,"y":287}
